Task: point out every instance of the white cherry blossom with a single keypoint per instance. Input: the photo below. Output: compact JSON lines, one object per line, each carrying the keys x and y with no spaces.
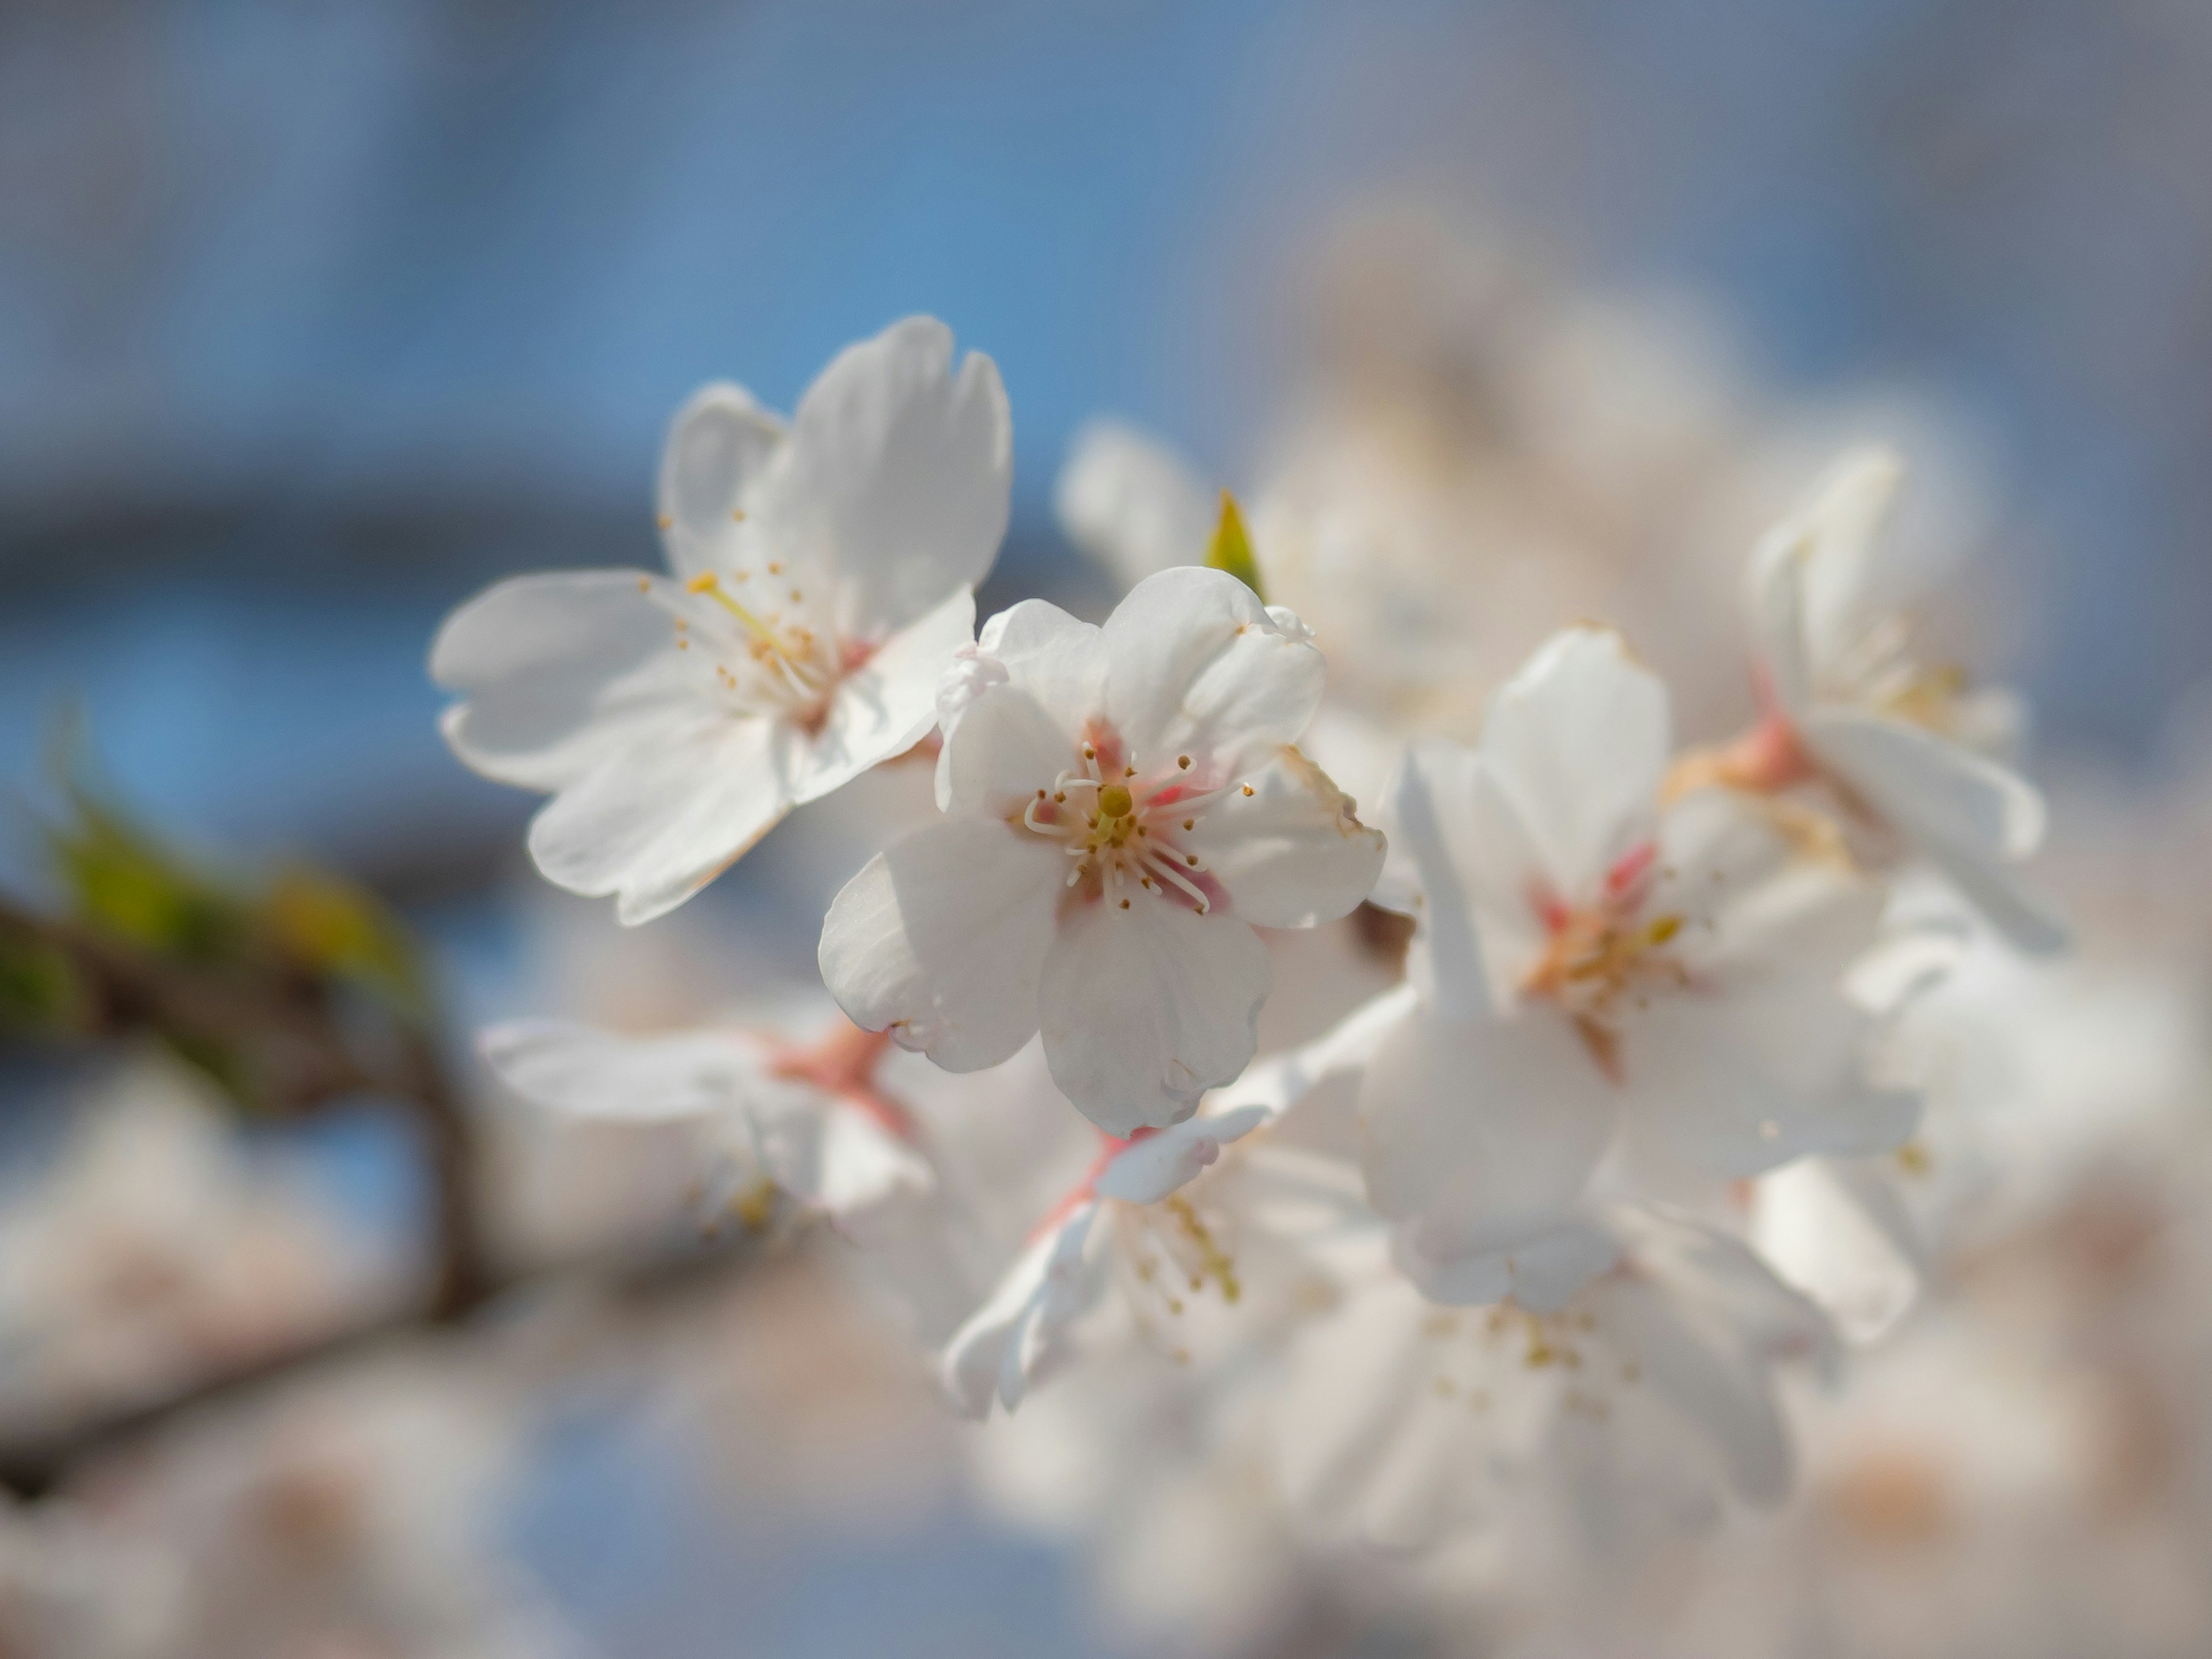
{"x":1134,"y":1221}
{"x":1123,"y":806}
{"x":805,"y":1120}
{"x":821,"y":575}
{"x":1588,"y":965}
{"x":1653,"y":1388}
{"x":1905,"y":746}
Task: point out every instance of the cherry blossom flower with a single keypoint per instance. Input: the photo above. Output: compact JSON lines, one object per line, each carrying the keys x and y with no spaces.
{"x":1653,"y":1388}
{"x":1904,"y":746}
{"x":806,"y":1120}
{"x":820,"y":577}
{"x":1135,"y":1219}
{"x":1587,"y":964}
{"x":1124,"y":805}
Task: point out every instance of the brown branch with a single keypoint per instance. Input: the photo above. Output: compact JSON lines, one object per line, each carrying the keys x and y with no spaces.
{"x":305,"y":1056}
{"x":37,"y":1462}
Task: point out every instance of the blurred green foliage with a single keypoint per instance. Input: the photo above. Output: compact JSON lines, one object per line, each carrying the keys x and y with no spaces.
{"x":284,"y":987}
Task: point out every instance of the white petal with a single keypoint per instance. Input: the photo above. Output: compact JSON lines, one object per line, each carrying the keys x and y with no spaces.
{"x":1159,"y":1165}
{"x":1146,"y":1009}
{"x":886,"y":706}
{"x":942,"y":938}
{"x":717,"y":449}
{"x":1293,"y":852}
{"x":1935,"y":791}
{"x":1967,"y":814}
{"x":1280,"y":1082}
{"x":1542,"y":1272}
{"x":1195,"y":665}
{"x":1841,"y":529}
{"x":1052,"y":657}
{"x":1130,"y":504}
{"x":1475,"y":875}
{"x":835,"y":1157}
{"x":1774,"y":600}
{"x":591,"y":1073}
{"x":1740,"y":1087}
{"x":2004,"y":896}
{"x":900,"y":471}
{"x":1759,"y":1060}
{"x":1485,"y":1128}
{"x":1007,"y":1341}
{"x":1005,"y":750}
{"x":557,"y":672}
{"x":1578,"y":740}
{"x":657,"y":820}
{"x":1707,"y":1321}
{"x":1859,"y":1260}
{"x":1724,"y":1396}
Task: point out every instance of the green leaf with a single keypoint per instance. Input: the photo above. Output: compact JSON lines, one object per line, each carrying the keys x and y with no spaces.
{"x":343,"y":931}
{"x":42,"y":993}
{"x":1231,"y":548}
{"x":121,"y":880}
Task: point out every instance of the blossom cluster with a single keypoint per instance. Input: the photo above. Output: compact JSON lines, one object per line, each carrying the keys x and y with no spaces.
{"x":1505,"y":1137}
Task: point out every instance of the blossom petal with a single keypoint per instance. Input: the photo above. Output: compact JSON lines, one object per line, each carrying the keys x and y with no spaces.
{"x":1005,"y":750}
{"x":598,"y":1074}
{"x":1837,"y":1232}
{"x":887,"y":705}
{"x":1840,"y":529}
{"x":719,"y":449}
{"x":942,"y":938}
{"x":1935,"y":792}
{"x":557,"y":672}
{"x":1130,"y":504}
{"x":1487,"y":1129}
{"x":1707,"y":1321}
{"x":1293,"y":852}
{"x":1579,"y":741}
{"x":1968,"y":815}
{"x":1014,"y":1337}
{"x":656,"y":820}
{"x":835,"y":1157}
{"x":1774,"y":601}
{"x":1741,"y":1086}
{"x":1279,"y":1083}
{"x":1159,"y":1165}
{"x":1146,"y":1008}
{"x":902,"y":470}
{"x":1057,"y":659}
{"x":1443,"y":866}
{"x":1543,"y":1273}
{"x":1195,"y":665}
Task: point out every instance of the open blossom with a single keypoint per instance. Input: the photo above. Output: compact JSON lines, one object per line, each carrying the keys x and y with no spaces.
{"x":1587,"y":965}
{"x":1123,"y":805}
{"x":1902,"y":743}
{"x":806,"y":1120}
{"x":1135,"y":1219}
{"x":1651,"y":1390}
{"x":821,"y":575}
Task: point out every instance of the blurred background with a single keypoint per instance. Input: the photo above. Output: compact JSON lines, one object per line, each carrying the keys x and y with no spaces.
{"x":313,"y":320}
